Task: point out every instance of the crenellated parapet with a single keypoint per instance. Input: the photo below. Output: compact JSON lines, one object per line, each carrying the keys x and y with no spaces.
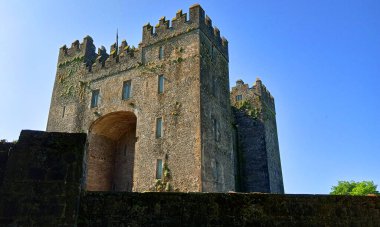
{"x":94,"y":61}
{"x":129,"y":56}
{"x":260,"y":89}
{"x":82,"y":52}
{"x":257,"y":95}
{"x":166,"y":29}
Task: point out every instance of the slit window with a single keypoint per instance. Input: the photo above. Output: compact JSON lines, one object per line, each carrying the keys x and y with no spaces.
{"x":63,"y":111}
{"x":161,"y":53}
{"x":126,"y":90}
{"x":159,"y":127}
{"x":239,"y":98}
{"x":215,"y":129}
{"x":214,"y":87}
{"x":161,"y":84}
{"x":159,"y":169}
{"x":95,"y":98}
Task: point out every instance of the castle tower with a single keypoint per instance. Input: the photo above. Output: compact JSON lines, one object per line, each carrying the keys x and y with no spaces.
{"x":259,"y":168}
{"x":158,"y":117}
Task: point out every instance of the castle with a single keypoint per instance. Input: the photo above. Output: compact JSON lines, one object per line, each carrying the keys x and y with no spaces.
{"x":161,"y":117}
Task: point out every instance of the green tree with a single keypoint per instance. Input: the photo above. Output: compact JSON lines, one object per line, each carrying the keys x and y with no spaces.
{"x":354,"y":188}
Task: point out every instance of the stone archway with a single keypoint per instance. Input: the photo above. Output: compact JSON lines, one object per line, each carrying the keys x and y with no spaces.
{"x":111,"y":152}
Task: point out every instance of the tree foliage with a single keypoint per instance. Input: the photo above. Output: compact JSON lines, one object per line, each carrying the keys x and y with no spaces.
{"x":354,"y":188}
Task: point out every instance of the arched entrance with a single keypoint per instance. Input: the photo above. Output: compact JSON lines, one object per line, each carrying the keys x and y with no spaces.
{"x":111,"y":152}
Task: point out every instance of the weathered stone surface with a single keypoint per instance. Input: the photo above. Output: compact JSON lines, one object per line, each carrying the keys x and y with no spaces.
{"x":42,"y":180}
{"x":196,"y":142}
{"x":226,"y":209}
{"x":256,"y":139}
{"x":199,"y":145}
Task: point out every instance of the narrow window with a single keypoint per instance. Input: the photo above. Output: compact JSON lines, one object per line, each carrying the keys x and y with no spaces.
{"x":159,"y":169}
{"x":95,"y":98}
{"x":215,"y":129}
{"x":214,"y":87}
{"x":161,"y":84}
{"x":239,"y":97}
{"x":63,"y":111}
{"x":217,"y":171}
{"x":159,"y":127}
{"x":212,"y":52}
{"x":126,"y":90}
{"x":161,"y":53}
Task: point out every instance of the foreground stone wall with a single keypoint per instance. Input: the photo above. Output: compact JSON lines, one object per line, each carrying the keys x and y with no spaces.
{"x":226,"y":209}
{"x":5,"y":148}
{"x":44,"y":173}
{"x":42,"y":180}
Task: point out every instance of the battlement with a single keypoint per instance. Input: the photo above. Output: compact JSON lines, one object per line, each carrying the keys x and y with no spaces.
{"x":124,"y":54}
{"x":83,"y":52}
{"x":180,"y":25}
{"x":257,"y":90}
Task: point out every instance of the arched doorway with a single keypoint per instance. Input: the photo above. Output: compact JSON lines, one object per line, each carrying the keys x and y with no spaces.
{"x":111,"y":152}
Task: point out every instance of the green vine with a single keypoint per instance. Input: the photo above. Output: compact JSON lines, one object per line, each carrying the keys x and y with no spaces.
{"x":250,"y":110}
{"x":163,"y":185}
{"x":78,"y":59}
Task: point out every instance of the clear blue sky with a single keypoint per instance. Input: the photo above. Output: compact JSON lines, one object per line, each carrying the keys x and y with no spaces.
{"x":319,"y":58}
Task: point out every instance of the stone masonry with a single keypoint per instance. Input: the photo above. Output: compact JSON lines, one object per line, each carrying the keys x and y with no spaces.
{"x":256,"y":138}
{"x":159,"y":117}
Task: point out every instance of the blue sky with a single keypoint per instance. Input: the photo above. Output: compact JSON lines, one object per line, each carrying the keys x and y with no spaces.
{"x":319,"y":58}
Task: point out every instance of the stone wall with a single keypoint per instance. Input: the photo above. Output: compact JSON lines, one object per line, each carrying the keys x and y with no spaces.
{"x":42,"y":187}
{"x":252,"y":155}
{"x":42,"y":180}
{"x":5,"y":149}
{"x":218,"y":157}
{"x":226,"y":209}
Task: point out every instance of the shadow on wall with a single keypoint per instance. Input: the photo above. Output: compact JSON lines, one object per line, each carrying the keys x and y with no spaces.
{"x":111,"y":152}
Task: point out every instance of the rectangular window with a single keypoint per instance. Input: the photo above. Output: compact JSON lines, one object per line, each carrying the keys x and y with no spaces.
{"x":161,"y":53}
{"x":161,"y":84}
{"x":126,"y":90}
{"x":239,"y":97}
{"x":159,"y":127}
{"x":95,"y":98}
{"x":159,"y":169}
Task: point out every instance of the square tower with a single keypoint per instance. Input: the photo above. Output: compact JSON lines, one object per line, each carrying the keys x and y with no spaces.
{"x":158,"y":117}
{"x":258,"y":155}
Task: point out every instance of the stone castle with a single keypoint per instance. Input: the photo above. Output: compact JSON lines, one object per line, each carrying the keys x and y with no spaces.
{"x":161,"y":117}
